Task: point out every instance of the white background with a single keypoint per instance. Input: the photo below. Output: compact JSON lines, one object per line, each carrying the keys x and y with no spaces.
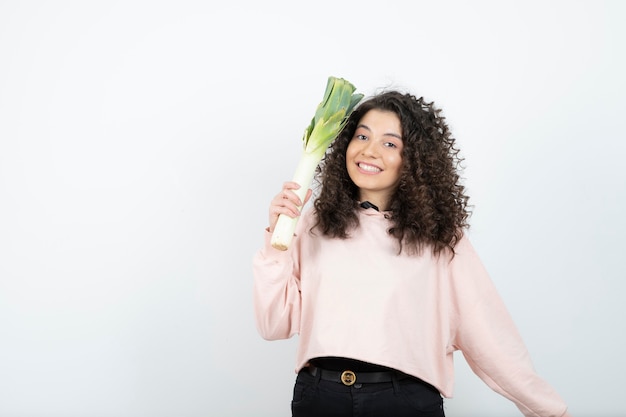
{"x":141,"y":142}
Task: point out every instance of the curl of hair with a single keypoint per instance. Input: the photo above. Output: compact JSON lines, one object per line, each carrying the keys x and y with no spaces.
{"x":429,"y":205}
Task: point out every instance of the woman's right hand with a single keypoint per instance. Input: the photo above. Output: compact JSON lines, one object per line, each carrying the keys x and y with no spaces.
{"x":286,"y":202}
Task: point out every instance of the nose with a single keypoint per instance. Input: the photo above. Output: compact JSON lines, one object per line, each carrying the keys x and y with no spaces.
{"x":369,"y":149}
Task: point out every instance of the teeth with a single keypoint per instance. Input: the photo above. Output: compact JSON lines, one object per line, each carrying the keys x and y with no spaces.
{"x":369,"y":168}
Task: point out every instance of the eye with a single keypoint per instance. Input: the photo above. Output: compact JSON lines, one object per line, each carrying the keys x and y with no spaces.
{"x":361,"y":137}
{"x":390,"y":145}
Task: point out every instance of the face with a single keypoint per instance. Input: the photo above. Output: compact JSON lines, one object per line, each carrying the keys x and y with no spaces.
{"x":374,"y":156}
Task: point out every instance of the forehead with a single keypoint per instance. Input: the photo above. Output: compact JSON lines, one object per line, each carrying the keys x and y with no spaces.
{"x":381,"y":121}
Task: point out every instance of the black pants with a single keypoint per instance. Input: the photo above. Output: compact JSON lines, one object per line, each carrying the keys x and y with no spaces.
{"x":315,"y":397}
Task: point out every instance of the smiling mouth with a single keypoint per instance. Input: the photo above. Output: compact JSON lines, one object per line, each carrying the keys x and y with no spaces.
{"x":368,"y":168}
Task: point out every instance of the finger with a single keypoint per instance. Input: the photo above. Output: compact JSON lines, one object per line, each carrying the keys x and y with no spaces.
{"x":289,"y":204}
{"x":290,"y":196}
{"x":308,"y":196}
{"x":276,"y":211}
{"x":291,"y":185}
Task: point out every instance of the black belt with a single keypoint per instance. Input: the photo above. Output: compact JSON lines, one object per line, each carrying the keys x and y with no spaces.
{"x":349,"y":378}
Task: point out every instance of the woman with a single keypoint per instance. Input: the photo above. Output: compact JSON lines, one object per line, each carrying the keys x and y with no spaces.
{"x":381,"y":282}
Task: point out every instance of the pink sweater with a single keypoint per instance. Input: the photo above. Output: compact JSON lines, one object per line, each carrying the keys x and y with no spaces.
{"x":358,"y":298}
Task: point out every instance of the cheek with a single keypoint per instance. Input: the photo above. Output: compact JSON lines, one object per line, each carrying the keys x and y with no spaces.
{"x":349,"y":158}
{"x":351,"y":154}
{"x":395,"y":161}
{"x":350,"y":150}
{"x":397,"y":167}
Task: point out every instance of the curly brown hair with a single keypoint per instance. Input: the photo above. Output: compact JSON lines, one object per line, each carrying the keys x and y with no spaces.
{"x":429,"y":205}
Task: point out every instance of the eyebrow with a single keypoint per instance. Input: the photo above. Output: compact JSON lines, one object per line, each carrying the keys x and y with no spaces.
{"x":395,"y":135}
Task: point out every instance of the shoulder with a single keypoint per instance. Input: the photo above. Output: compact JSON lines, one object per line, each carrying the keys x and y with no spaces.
{"x":307,"y":220}
{"x":465,"y":259}
{"x":308,"y":215}
{"x":464,"y":246}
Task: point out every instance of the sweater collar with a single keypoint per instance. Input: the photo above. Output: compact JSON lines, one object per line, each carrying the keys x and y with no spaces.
{"x":371,"y":209}
{"x":367,"y":204}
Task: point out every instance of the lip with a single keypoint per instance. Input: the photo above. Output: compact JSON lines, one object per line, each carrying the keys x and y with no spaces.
{"x":360,"y":165}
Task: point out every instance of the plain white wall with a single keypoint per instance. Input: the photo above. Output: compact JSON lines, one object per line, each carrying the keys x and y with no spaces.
{"x":141,"y":142}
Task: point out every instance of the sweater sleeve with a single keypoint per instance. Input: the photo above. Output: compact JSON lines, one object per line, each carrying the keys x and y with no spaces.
{"x":276,"y":292}
{"x":490,"y":342}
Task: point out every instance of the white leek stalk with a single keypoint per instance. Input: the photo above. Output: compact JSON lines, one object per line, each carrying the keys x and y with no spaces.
{"x":330,"y":117}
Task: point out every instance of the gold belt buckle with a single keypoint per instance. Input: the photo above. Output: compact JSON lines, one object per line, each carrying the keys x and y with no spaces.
{"x":348,"y":378}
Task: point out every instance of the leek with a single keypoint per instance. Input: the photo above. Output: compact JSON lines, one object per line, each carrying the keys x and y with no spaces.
{"x":330,"y":117}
